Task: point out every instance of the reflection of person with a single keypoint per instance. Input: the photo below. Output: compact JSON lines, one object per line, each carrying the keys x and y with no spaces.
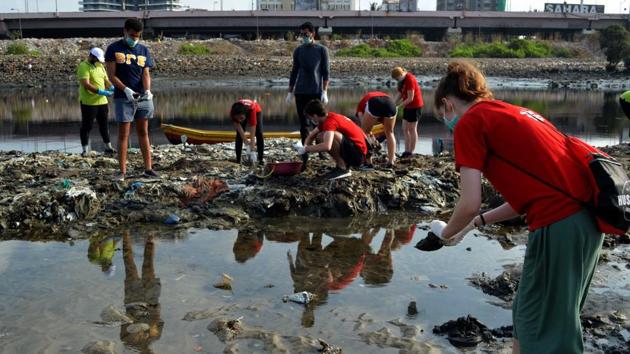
{"x":142,"y":297}
{"x":309,"y":273}
{"x":493,"y":138}
{"x":339,"y":136}
{"x":94,"y":88}
{"x":309,"y":75}
{"x":128,"y":63}
{"x":247,"y":113}
{"x":410,"y":98}
{"x":624,"y":102}
{"x":378,"y":107}
{"x":247,"y":245}
{"x":347,"y":258}
{"x":379,"y":267}
{"x":101,"y":252}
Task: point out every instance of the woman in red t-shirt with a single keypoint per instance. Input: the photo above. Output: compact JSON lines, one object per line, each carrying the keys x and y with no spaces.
{"x":409,"y":97}
{"x":509,"y":145}
{"x":247,"y":114}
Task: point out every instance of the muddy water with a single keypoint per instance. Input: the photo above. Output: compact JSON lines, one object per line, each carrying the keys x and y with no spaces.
{"x":52,"y":293}
{"x":40,"y":119}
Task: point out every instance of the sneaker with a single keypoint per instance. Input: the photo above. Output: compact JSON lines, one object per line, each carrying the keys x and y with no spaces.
{"x":405,"y":155}
{"x":338,"y":173}
{"x":366,"y":167}
{"x":150,"y":174}
{"x":119,"y":177}
{"x":389,"y":165}
{"x":84,"y":154}
{"x":109,"y":151}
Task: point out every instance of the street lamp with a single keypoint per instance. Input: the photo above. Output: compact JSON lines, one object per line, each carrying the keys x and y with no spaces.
{"x":19,"y":19}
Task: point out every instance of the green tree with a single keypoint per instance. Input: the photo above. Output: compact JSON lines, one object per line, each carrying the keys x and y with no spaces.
{"x":615,"y":42}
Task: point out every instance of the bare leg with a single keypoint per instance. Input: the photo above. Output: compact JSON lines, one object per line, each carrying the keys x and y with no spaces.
{"x":391,"y":139}
{"x":413,"y":136}
{"x":405,"y":125}
{"x":142,"y":129}
{"x":123,"y":137}
{"x":335,"y":151}
{"x":516,"y":348}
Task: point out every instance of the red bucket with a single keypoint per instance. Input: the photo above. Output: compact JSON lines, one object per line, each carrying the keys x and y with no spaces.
{"x":287,"y":168}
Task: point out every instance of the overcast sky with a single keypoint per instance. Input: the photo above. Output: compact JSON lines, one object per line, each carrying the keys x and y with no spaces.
{"x":612,"y":6}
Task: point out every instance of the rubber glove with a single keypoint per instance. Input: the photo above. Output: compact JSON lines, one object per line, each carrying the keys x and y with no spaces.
{"x":299,"y":148}
{"x":104,"y":93}
{"x":324,"y":97}
{"x":248,"y":149}
{"x":253,"y":157}
{"x":148,"y":95}
{"x":289,"y":97}
{"x":437,"y":227}
{"x":129,"y":93}
{"x":111,"y":88}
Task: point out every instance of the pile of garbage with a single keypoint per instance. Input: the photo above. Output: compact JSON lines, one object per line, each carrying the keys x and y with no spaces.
{"x":55,"y":195}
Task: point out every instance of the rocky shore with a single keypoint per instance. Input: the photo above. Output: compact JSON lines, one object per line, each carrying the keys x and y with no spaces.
{"x":267,"y":61}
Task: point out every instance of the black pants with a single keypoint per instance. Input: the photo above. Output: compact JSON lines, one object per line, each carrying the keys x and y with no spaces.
{"x":300,"y":102}
{"x":88,"y":114}
{"x":260,"y":142}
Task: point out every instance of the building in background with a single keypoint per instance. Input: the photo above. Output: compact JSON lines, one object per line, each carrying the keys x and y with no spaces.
{"x":307,"y":5}
{"x":399,"y":5}
{"x":129,"y":5}
{"x":275,"y":5}
{"x":471,"y":5}
{"x":338,"y":5}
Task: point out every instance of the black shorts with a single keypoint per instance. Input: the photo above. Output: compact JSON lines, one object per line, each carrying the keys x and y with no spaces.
{"x":351,"y":154}
{"x":381,"y":107}
{"x":625,"y":106}
{"x":412,"y":115}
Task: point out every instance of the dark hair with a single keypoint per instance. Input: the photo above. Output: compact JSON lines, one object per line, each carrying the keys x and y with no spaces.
{"x":134,"y":24}
{"x":464,"y":81}
{"x":315,"y":108}
{"x":307,"y":26}
{"x":237,"y":109}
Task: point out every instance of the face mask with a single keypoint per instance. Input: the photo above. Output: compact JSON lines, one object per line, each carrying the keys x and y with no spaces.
{"x":130,"y":42}
{"x":451,"y":123}
{"x":307,"y":40}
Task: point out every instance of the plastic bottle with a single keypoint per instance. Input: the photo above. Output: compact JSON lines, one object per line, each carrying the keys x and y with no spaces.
{"x":303,"y":297}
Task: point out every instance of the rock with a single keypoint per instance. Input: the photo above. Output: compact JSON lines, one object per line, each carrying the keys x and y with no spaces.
{"x":111,"y":315}
{"x":412,"y":310}
{"x":137,"y":328}
{"x":226,"y":329}
{"x":465,"y":332}
{"x":99,"y":347}
{"x":504,"y":286}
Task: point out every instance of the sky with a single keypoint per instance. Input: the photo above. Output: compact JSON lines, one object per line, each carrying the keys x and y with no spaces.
{"x":612,"y":6}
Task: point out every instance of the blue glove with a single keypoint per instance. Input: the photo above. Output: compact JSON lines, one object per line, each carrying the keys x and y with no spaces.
{"x":104,"y":93}
{"x":111,"y":88}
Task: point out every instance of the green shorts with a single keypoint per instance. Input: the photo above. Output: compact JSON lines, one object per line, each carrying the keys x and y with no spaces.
{"x":559,"y":264}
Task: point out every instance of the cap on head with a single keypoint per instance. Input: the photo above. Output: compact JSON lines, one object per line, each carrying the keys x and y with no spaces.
{"x":397,"y":72}
{"x":98,"y":54}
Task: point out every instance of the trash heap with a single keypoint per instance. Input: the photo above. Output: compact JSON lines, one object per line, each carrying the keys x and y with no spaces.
{"x":55,"y":195}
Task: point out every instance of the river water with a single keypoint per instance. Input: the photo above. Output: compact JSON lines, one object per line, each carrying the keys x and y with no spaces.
{"x":52,"y":293}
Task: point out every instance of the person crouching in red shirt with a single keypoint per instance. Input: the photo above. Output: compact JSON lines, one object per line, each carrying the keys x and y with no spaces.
{"x":379,"y":107}
{"x":516,"y":149}
{"x":247,"y":114}
{"x":410,"y":99}
{"x":338,"y":135}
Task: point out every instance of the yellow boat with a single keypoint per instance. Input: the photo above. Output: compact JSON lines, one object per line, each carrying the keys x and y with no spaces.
{"x":176,"y":135}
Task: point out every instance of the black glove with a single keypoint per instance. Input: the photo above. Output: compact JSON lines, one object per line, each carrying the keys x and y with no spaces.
{"x":430,"y":243}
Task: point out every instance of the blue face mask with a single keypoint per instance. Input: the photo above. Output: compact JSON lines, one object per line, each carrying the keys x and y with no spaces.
{"x":130,"y":42}
{"x":451,"y":123}
{"x":307,"y":40}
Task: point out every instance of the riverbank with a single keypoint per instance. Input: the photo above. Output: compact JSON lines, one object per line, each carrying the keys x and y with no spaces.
{"x":270,"y":62}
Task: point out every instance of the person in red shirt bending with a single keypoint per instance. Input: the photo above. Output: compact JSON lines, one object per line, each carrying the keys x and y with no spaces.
{"x":378,"y":107}
{"x":338,"y":135}
{"x":509,"y":145}
{"x":410,"y":98}
{"x":247,"y":114}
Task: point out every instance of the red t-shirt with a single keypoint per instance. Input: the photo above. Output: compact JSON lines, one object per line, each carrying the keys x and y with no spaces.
{"x":529,"y":141}
{"x":339,"y":123}
{"x":366,"y":98}
{"x":253,"y":108}
{"x":411,"y":83}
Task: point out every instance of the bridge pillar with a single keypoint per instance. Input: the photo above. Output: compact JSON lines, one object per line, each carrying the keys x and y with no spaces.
{"x":454,"y":34}
{"x":4,"y":30}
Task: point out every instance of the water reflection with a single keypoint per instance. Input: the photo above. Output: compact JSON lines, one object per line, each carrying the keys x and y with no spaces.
{"x":53,"y":116}
{"x":142,"y":297}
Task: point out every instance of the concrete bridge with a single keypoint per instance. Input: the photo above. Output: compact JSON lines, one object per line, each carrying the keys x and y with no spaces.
{"x":434,"y":25}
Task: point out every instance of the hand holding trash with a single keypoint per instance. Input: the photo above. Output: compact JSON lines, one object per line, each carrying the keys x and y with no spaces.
{"x":148,"y":95}
{"x":299,"y":148}
{"x":289,"y":97}
{"x":130,"y":94}
{"x":253,"y":157}
{"x":324,"y":97}
{"x":434,"y":241}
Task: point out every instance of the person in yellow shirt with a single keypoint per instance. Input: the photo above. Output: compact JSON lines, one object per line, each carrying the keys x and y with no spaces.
{"x":94,"y":88}
{"x":624,"y":102}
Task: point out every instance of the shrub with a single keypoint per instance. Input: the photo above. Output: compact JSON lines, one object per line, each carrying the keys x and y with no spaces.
{"x":193,"y":49}
{"x":615,"y":42}
{"x":393,"y":49}
{"x":18,"y":48}
{"x":516,"y":48}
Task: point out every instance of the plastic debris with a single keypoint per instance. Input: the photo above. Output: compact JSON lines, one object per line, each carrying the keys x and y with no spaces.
{"x":172,"y":219}
{"x":303,"y":297}
{"x":225,"y":283}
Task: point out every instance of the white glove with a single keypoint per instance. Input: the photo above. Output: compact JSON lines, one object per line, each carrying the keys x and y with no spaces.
{"x":299,"y":148}
{"x":248,"y":149}
{"x":253,"y":157}
{"x":148,"y":95}
{"x":324,"y":97}
{"x":437,"y":227}
{"x":289,"y":97}
{"x":129,"y":93}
